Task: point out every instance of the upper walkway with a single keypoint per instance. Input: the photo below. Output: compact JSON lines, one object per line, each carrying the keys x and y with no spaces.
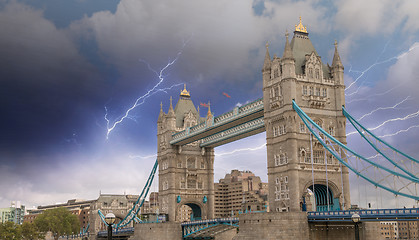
{"x":233,"y":125}
{"x":404,"y":214}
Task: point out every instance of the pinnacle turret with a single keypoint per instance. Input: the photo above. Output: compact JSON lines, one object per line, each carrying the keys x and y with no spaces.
{"x":336,"y":58}
{"x":287,"y":49}
{"x":267,"y":62}
{"x":171,"y":112}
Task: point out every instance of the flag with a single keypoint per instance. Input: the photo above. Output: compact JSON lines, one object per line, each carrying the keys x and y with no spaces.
{"x":225,"y":94}
{"x":203,"y":105}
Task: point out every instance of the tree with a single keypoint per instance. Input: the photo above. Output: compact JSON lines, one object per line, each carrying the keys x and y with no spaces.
{"x":10,"y":231}
{"x":59,"y":221}
{"x":31,"y":232}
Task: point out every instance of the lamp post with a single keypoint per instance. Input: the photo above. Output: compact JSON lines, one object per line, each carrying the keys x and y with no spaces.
{"x":110,"y":219}
{"x":356,"y":218}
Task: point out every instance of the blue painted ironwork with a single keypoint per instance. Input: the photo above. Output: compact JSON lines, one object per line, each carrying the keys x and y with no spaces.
{"x":306,"y":119}
{"x":234,"y":132}
{"x":117,"y":232}
{"x":223,"y":119}
{"x":346,"y":114}
{"x":192,"y":227}
{"x":404,"y":214}
{"x":132,"y":214}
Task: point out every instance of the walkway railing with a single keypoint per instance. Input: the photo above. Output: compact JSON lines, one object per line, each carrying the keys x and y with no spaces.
{"x":191,"y":227}
{"x":235,"y":114}
{"x":404,"y":214}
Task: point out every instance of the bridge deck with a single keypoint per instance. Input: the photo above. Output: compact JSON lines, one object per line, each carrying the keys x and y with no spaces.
{"x":404,"y":214}
{"x":224,"y":122}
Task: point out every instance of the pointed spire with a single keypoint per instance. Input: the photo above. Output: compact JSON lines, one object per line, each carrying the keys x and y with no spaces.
{"x":161,"y":114}
{"x":287,"y":49}
{"x":209,"y":110}
{"x":336,"y":57}
{"x":171,"y":111}
{"x":267,"y":62}
{"x":199,"y":114}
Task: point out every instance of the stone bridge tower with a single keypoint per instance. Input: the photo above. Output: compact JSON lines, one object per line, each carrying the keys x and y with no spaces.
{"x":319,"y":90}
{"x":186,"y":173}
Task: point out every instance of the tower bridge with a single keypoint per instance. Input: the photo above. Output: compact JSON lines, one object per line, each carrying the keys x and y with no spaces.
{"x":307,"y":158}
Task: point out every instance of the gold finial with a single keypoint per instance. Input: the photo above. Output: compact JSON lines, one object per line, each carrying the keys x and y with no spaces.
{"x":209,"y":109}
{"x":300,"y":27}
{"x":267,"y":45}
{"x":184,"y":93}
{"x":161,"y":105}
{"x":336,"y":43}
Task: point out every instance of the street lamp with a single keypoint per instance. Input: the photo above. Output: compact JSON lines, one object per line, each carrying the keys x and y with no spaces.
{"x":356,"y":218}
{"x":110,"y":219}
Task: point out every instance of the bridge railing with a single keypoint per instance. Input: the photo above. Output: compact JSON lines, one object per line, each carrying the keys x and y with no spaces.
{"x":218,"y":120}
{"x":402,"y":214}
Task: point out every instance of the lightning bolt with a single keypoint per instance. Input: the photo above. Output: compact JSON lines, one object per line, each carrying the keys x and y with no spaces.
{"x":139,"y":101}
{"x":383,"y":108}
{"x":400,"y":131}
{"x":412,"y":115}
{"x":362,"y":73}
{"x":241,"y":150}
{"x":143,"y":157}
{"x":372,"y":95}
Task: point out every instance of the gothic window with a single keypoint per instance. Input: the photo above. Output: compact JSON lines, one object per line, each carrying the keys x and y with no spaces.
{"x":317,"y":74}
{"x":304,"y":90}
{"x":317,"y":91}
{"x":191,"y":183}
{"x":182,"y":183}
{"x":302,"y":128}
{"x":165,"y":165}
{"x":276,"y":90}
{"x":277,"y":159}
{"x":282,"y":130}
{"x":318,"y":156}
{"x":276,"y":131}
{"x":330,"y":159}
{"x":199,"y":184}
{"x":310,"y":72}
{"x":276,"y":74}
{"x":202,"y":164}
{"x":165,"y":185}
{"x":191,"y":163}
{"x":277,"y":180}
{"x":319,"y":122}
{"x":307,"y":158}
{"x":311,"y":91}
{"x":332,"y":131}
{"x":324,"y":92}
{"x":179,"y":163}
{"x":283,"y":159}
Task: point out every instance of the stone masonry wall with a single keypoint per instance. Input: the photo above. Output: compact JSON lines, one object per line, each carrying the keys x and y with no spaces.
{"x":160,"y":231}
{"x":273,"y":226}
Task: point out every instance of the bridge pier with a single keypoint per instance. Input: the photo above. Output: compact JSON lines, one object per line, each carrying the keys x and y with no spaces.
{"x":273,"y":225}
{"x":344,"y":230}
{"x":160,"y":231}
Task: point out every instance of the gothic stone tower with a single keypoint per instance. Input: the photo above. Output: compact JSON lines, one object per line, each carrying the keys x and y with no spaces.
{"x":186,"y":173}
{"x":319,"y":90}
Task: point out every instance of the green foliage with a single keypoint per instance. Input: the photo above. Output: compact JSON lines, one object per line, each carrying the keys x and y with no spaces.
{"x":26,"y":231}
{"x":31,"y":232}
{"x":59,"y":221}
{"x":9,"y":231}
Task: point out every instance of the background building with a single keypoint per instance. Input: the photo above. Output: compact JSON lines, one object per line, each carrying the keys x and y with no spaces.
{"x":77,"y":207}
{"x":14,"y":213}
{"x":240,"y":191}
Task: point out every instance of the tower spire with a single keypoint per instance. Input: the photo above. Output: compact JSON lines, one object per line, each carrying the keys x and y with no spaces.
{"x":287,"y":49}
{"x":267,"y":62}
{"x":171,"y":111}
{"x":336,"y":58}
